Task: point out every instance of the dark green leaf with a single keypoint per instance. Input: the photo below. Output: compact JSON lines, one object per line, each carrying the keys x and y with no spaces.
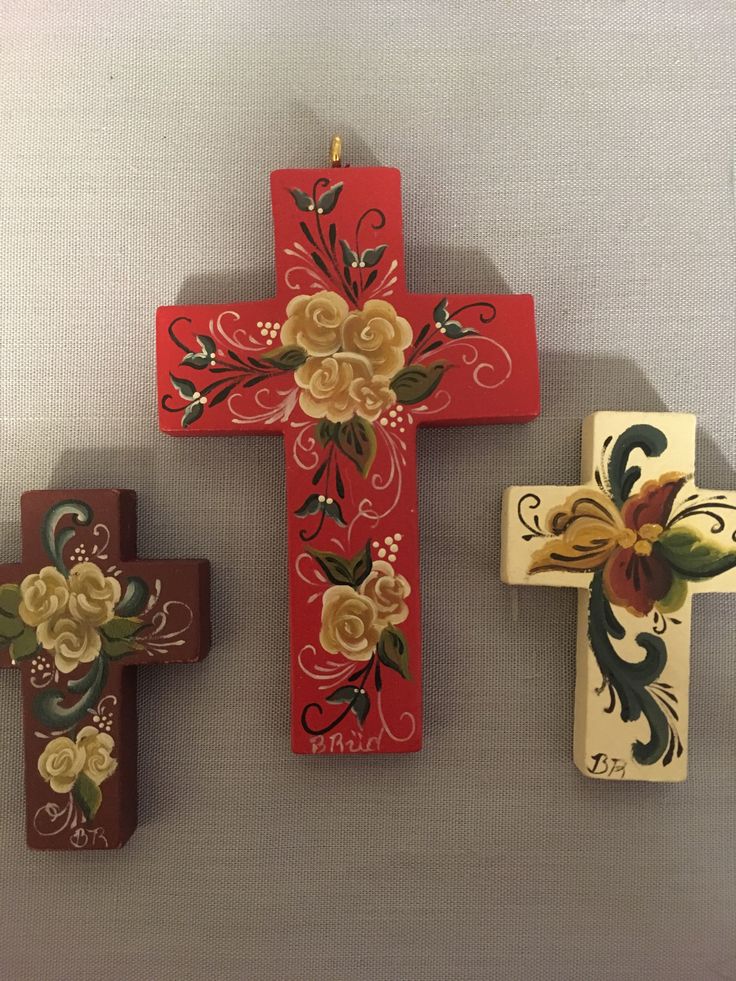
{"x":345,"y":694}
{"x":307,"y":234}
{"x":349,"y":257}
{"x":692,"y":556}
{"x":371,"y":257}
{"x":371,"y":278}
{"x":222,"y":394}
{"x":320,"y":263}
{"x":287,"y":358}
{"x":197,"y":361}
{"x":183,"y":386}
{"x":341,"y":571}
{"x":310,"y":506}
{"x":87,"y":795}
{"x":327,"y":201}
{"x":333,"y":237}
{"x":191,"y":414}
{"x":207,"y":344}
{"x":332,"y":510}
{"x":356,"y":439}
{"x":338,"y":481}
{"x":115,"y":649}
{"x":303,"y":201}
{"x":25,"y":645}
{"x":355,"y":697}
{"x":416,"y":382}
{"x":121,"y":628}
{"x":393,"y":651}
{"x":9,"y":600}
{"x":453,"y":330}
{"x":440,"y":312}
{"x":360,"y":707}
{"x":10,"y":628}
{"x":325,"y":431}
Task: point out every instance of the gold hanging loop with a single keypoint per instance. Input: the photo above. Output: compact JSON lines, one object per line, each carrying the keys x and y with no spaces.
{"x":336,"y":151}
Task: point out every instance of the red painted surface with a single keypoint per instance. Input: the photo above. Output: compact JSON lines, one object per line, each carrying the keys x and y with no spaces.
{"x":487,"y":375}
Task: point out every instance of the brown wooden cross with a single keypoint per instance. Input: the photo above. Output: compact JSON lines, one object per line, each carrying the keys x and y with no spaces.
{"x":346,"y":364}
{"x":77,"y":615}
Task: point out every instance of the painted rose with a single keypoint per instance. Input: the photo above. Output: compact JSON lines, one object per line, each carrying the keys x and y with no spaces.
{"x":314,"y":322}
{"x":60,"y":764}
{"x":43,"y":595}
{"x":388,"y":591}
{"x":630,"y":545}
{"x":327,"y":385}
{"x":378,"y":333}
{"x":97,"y":747}
{"x":349,"y":623}
{"x":72,"y":641}
{"x":372,"y":396}
{"x":92,"y":595}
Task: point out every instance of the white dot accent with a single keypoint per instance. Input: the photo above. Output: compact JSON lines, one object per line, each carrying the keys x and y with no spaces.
{"x":443,"y":330}
{"x":354,"y":265}
{"x":329,"y":501}
{"x":95,"y":718}
{"x":394,"y":548}
{"x":402,"y":429}
{"x":376,"y":544}
{"x":269,"y":341}
{"x":203,"y":400}
{"x":392,"y":414}
{"x":399,"y":408}
{"x":321,"y":498}
{"x":392,"y":558}
{"x":384,"y":421}
{"x":398,"y":536}
{"x":362,"y":265}
{"x":277,"y":326}
{"x":438,"y":325}
{"x":310,"y":207}
{"x":320,"y":211}
{"x":196,"y":395}
{"x":382,"y":553}
{"x":259,"y":324}
{"x":267,"y":325}
{"x":392,"y":424}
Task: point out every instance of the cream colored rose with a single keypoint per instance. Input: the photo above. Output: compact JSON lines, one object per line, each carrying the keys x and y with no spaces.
{"x":72,"y":642}
{"x":379,"y":333}
{"x":43,"y":595}
{"x":388,"y":591}
{"x":326,"y":385}
{"x":97,"y":747}
{"x":314,"y":322}
{"x":372,"y":396}
{"x":349,"y":624}
{"x":92,"y":595}
{"x":61,"y":763}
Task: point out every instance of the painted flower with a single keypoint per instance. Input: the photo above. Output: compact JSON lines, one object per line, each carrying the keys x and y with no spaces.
{"x":72,"y":641}
{"x":97,"y":747}
{"x":388,"y":591}
{"x":591,"y":533}
{"x":314,"y":322}
{"x":43,"y":595}
{"x":328,"y":385}
{"x":380,"y":334}
{"x":60,"y":763}
{"x":92,"y":595}
{"x":372,"y":396}
{"x":349,"y":623}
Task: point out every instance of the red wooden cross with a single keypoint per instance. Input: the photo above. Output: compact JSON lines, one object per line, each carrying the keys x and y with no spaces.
{"x":76,"y":616}
{"x":345,"y":363}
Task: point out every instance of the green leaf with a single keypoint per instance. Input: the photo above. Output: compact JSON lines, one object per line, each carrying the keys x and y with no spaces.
{"x":693,"y":557}
{"x":207,"y":344}
{"x":87,"y":795}
{"x":359,"y":701}
{"x":310,"y":506}
{"x":183,"y":386}
{"x":454,"y":329}
{"x":371,"y":257}
{"x":349,"y":257}
{"x":121,"y":628}
{"x":325,"y":431}
{"x":327,"y":201}
{"x":197,"y":361}
{"x":134,"y":598}
{"x":303,"y":200}
{"x":356,"y":438}
{"x":675,"y":597}
{"x":416,"y":382}
{"x":9,"y":600}
{"x":115,"y":649}
{"x":439,"y":313}
{"x":393,"y":651}
{"x":342,"y":571}
{"x":333,"y":510}
{"x":25,"y":645}
{"x":191,"y":414}
{"x":288,"y":358}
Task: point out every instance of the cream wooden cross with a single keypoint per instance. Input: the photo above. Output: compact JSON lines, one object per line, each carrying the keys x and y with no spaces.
{"x":636,"y":539}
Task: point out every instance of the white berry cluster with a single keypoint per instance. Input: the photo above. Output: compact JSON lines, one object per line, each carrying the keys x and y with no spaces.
{"x":79,"y":553}
{"x":269,"y":331}
{"x":390,"y":547}
{"x":394,"y":419}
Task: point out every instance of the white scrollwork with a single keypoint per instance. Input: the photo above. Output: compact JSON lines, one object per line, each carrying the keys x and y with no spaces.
{"x":384,"y":286}
{"x":99,"y":549}
{"x":311,"y":576}
{"x":406,"y":715}
{"x":238,"y":338}
{"x":306,"y":455}
{"x":42,"y":670}
{"x":52,"y":818}
{"x":327,"y":672}
{"x":102,"y":714}
{"x":271,"y":413}
{"x":306,"y":265}
{"x":439,"y":403}
{"x":394,"y":478}
{"x":472,"y":355}
{"x":162,"y":637}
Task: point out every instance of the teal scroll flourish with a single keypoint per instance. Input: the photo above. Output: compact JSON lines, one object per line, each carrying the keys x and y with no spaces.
{"x":47,"y":705}
{"x":55,"y":541}
{"x":649,"y":440}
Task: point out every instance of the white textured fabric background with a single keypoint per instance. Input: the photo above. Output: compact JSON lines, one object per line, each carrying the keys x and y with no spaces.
{"x":580,"y":151}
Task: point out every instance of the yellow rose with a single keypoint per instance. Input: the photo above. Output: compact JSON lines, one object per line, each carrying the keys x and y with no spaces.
{"x":314,"y":322}
{"x":388,"y":591}
{"x":61,"y":763}
{"x":379,"y":333}
{"x":326,"y":385}
{"x":97,"y":747}
{"x":92,"y":595}
{"x":72,"y":642}
{"x":349,"y":624}
{"x":371,"y":396}
{"x":43,"y":595}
